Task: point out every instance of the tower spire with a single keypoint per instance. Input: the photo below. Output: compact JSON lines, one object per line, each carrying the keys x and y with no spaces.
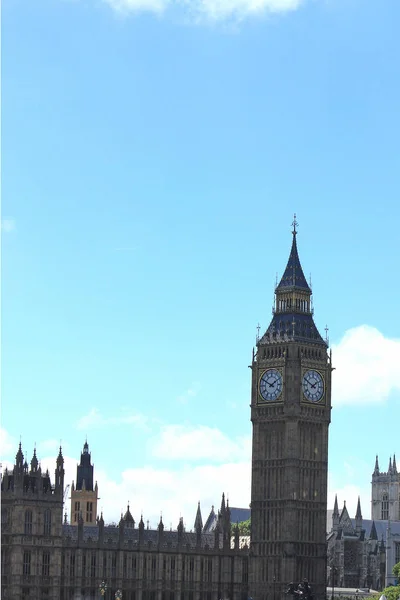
{"x":358,"y":513}
{"x":293,"y":313}
{"x":376,"y":470}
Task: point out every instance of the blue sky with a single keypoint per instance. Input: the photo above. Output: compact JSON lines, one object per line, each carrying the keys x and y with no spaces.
{"x":153,"y":155}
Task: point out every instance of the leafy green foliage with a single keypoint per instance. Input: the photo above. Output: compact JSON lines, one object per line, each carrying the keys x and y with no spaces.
{"x":392,"y":592}
{"x":244,"y":528}
{"x":396,"y":570}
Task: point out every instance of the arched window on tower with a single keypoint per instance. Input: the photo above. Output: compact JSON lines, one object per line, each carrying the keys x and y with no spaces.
{"x":47,"y":522}
{"x":28,"y":522}
{"x":385,"y":507}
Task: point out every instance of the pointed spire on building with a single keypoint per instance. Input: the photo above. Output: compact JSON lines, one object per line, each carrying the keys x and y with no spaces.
{"x":198,"y":523}
{"x":34,"y":462}
{"x":376,"y":470}
{"x":390,"y":465}
{"x":358,"y":513}
{"x":336,"y":507}
{"x":358,"y":516}
{"x":293,"y":314}
{"x":128,"y":518}
{"x":293,"y":276}
{"x":373,"y":533}
{"x":223,"y":506}
{"x":141,"y":529}
{"x":19,"y":458}
{"x":394,"y":465}
{"x":60,"y":472}
{"x":335,"y":515}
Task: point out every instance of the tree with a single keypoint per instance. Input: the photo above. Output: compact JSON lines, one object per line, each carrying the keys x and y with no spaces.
{"x":244,"y":528}
{"x":392,"y":592}
{"x":396,"y":570}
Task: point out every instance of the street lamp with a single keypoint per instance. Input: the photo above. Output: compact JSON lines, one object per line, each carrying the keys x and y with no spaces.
{"x":103,"y":588}
{"x":118,"y":595}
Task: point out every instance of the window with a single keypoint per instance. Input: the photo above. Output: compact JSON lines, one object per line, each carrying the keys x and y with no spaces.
{"x":28,"y":522}
{"x":72,"y":565}
{"x":77,"y":511}
{"x":385,"y":507}
{"x":47,"y":522}
{"x":209,"y":567}
{"x":114,"y":565}
{"x":93,"y":565}
{"x":46,"y":564}
{"x":89,"y":513}
{"x":4,"y":516}
{"x":26,"y":565}
{"x":191,"y":569}
{"x":397,"y":552}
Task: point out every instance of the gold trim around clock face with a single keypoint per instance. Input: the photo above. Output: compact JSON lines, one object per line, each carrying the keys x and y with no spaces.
{"x":313,"y":386}
{"x":270,"y":386}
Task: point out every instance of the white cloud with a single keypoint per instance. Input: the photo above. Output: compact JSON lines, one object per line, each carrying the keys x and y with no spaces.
{"x":132,"y":6}
{"x":95,"y":420}
{"x":367,"y":367}
{"x":7,"y":224}
{"x":191,"y":392}
{"x":174,"y":493}
{"x":210,"y":10}
{"x":180,"y":442}
{"x":220,"y":10}
{"x":8,"y":444}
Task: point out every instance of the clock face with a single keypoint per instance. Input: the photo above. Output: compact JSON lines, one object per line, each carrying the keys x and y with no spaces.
{"x":313,"y":386}
{"x":271,"y":385}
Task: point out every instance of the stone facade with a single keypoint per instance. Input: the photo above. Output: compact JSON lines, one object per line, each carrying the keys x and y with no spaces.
{"x":362,"y":552}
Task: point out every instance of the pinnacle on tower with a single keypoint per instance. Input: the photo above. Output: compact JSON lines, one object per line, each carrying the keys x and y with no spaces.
{"x":34,"y":462}
{"x":373,"y":534}
{"x":390,"y":465}
{"x":394,"y":465}
{"x":336,"y":507}
{"x":198,"y":523}
{"x":293,"y":276}
{"x":376,"y":470}
{"x":19,"y":457}
{"x":358,"y":513}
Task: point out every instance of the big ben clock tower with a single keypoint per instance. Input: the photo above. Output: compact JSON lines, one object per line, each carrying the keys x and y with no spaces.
{"x":290,"y":412}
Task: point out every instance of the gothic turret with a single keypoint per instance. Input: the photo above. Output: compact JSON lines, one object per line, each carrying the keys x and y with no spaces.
{"x":34,"y":462}
{"x":83,"y":496}
{"x":376,"y":470}
{"x":19,"y":461}
{"x":60,"y":472}
{"x":128,"y":518}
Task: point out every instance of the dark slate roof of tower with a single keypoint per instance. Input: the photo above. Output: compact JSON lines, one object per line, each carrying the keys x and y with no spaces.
{"x":293,"y":275}
{"x":292,"y":326}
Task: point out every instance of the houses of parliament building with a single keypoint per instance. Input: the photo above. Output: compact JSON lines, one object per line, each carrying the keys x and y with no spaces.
{"x":46,"y":558}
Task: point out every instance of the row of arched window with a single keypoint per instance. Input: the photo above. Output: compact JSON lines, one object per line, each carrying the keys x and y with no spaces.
{"x":29,"y":522}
